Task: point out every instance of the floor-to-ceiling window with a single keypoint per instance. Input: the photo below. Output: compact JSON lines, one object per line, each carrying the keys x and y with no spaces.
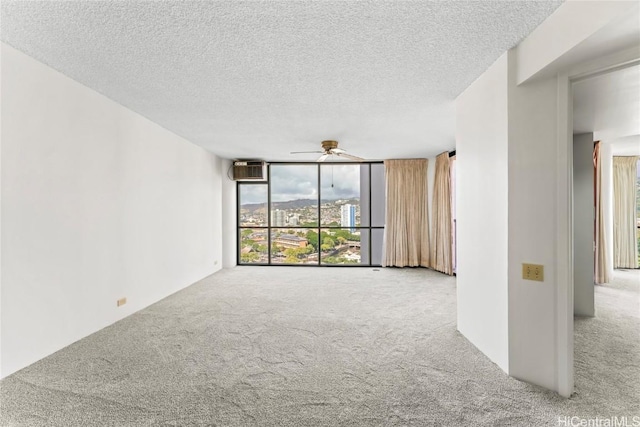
{"x":313,"y":214}
{"x":638,"y":208}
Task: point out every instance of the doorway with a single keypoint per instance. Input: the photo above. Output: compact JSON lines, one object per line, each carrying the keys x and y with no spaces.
{"x":606,"y":126}
{"x":606,"y":107}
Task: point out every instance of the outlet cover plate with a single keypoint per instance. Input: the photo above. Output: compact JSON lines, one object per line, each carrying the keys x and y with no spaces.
{"x":533,"y":272}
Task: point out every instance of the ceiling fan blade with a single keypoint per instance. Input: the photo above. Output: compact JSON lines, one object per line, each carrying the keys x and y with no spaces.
{"x":337,"y":151}
{"x":349,"y":156}
{"x":322,"y":158}
{"x":306,"y":152}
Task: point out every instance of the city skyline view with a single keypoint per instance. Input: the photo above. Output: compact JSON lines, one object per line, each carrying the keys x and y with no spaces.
{"x":308,"y":214}
{"x":293,"y":245}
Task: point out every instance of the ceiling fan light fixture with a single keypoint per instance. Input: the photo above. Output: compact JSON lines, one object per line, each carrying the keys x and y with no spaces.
{"x":329,"y":145}
{"x":330,"y":148}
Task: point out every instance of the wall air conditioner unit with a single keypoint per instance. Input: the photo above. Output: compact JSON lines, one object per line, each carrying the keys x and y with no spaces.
{"x":249,"y":170}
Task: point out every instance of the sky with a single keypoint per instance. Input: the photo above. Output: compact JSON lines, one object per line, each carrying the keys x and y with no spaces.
{"x":293,"y":182}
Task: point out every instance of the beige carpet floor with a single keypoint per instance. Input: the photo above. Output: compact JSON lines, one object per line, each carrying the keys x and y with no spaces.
{"x":278,"y":346}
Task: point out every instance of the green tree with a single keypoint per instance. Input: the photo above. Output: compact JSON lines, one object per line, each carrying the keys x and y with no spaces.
{"x":342,"y":233}
{"x":291,"y":256}
{"x":312,"y":237}
{"x":306,"y":250}
{"x":249,"y":257}
{"x":328,"y":241}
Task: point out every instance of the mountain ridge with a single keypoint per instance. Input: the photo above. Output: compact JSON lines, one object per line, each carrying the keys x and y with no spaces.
{"x":292,"y":204}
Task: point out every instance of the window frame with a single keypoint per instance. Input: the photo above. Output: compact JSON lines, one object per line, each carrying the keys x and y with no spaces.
{"x":318,"y":228}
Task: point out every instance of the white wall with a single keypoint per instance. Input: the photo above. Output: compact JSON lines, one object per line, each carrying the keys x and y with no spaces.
{"x":537,"y":116}
{"x":98,"y":203}
{"x":583,"y":225}
{"x":552,"y":45}
{"x":1,"y":82}
{"x":507,"y":212}
{"x":482,"y":204}
{"x":532,"y":236}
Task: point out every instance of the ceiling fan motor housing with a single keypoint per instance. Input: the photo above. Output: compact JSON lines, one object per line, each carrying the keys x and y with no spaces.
{"x":329,"y":145}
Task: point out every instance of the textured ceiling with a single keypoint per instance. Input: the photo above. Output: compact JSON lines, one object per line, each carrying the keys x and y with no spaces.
{"x":260,"y":79}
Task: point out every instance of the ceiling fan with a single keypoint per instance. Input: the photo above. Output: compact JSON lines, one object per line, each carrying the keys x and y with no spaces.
{"x":330,"y":148}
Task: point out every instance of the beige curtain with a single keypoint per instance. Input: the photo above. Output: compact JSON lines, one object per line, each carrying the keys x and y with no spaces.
{"x":441,"y":209}
{"x":625,"y":249}
{"x":452,"y":168}
{"x":601,"y":273}
{"x":406,"y":233}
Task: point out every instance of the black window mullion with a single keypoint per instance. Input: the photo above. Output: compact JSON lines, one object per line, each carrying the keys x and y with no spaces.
{"x":238,"y":237}
{"x":319,"y":213}
{"x":269,"y":214}
{"x":370,"y":220}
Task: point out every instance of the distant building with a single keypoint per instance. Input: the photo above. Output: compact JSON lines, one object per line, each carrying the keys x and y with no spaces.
{"x":278,"y":218}
{"x":293,"y":220}
{"x":348,"y":217}
{"x":259,"y":237}
{"x":290,"y":241}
